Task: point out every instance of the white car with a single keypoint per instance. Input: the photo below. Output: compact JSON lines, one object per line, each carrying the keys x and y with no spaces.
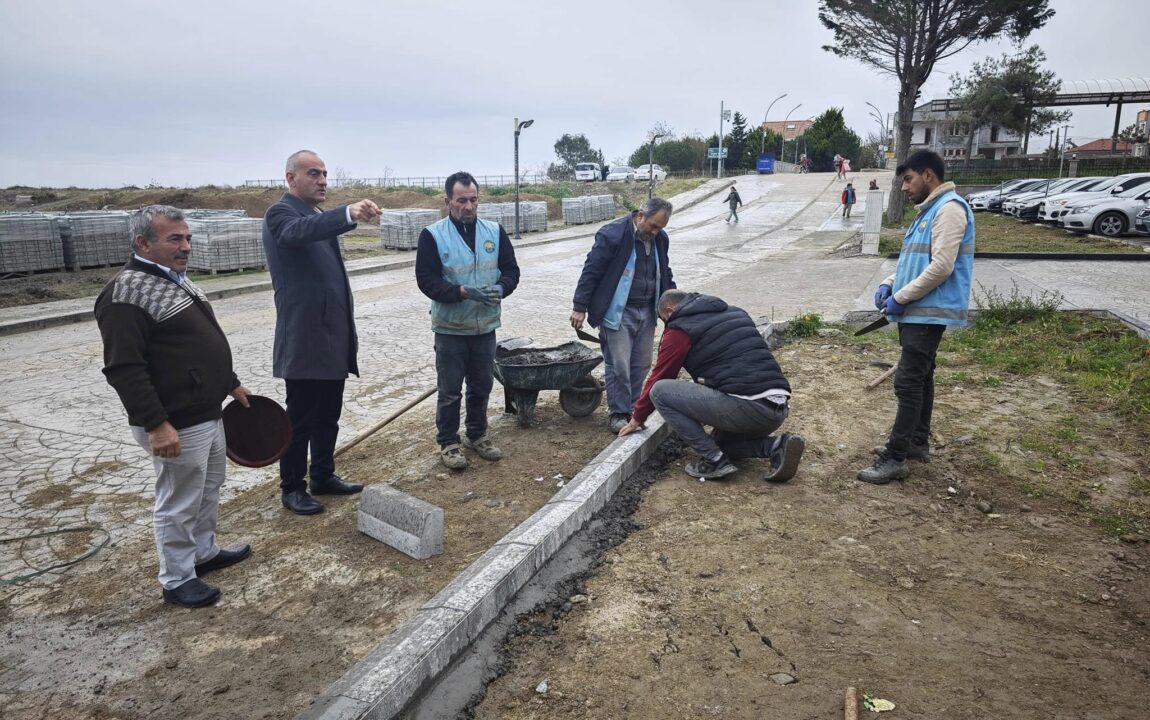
{"x":978,"y":200}
{"x":1054,"y":208}
{"x":1111,"y":216}
{"x":1025,"y":206}
{"x":621,"y":173}
{"x":587,"y":172}
{"x":644,"y":172}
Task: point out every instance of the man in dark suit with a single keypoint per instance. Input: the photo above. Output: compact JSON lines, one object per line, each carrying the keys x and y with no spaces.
{"x":315,"y":339}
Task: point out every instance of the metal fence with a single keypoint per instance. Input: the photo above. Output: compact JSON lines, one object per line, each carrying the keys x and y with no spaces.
{"x":995,"y":171}
{"x":431,"y":181}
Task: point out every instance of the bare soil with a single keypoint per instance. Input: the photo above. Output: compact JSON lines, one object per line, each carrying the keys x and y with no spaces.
{"x":1023,"y":609}
{"x":907,"y":591}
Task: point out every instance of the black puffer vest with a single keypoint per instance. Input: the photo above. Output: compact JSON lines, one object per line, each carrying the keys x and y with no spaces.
{"x":727,"y":352}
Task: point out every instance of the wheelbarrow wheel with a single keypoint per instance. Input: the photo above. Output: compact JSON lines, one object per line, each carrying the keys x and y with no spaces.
{"x":581,"y":399}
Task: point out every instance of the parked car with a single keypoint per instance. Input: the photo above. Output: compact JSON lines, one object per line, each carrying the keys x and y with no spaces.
{"x":587,"y":172}
{"x":1111,"y":216}
{"x":1011,"y":201}
{"x":1025,"y":206}
{"x":644,"y":172}
{"x":978,"y":200}
{"x":1055,"y":206}
{"x":621,"y":172}
{"x":994,"y":202}
{"x":1142,"y":221}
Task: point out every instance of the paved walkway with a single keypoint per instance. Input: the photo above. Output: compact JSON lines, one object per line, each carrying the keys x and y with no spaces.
{"x":66,"y":456}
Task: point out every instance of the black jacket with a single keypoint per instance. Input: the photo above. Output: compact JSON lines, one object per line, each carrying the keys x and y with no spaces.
{"x":727,"y":352}
{"x":164,"y":352}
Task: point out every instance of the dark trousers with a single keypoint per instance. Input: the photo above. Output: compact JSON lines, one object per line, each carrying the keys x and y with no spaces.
{"x":459,"y":358}
{"x":914,"y":386}
{"x":314,"y":407}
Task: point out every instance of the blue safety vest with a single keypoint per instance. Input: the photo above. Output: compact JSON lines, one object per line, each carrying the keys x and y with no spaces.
{"x":463,"y":266}
{"x":614,"y":314}
{"x":946,"y":304}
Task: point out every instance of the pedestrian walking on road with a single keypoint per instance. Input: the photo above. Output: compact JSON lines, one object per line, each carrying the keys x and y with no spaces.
{"x":625,"y":272}
{"x":838,"y":166}
{"x":171,"y":365}
{"x":846,"y":168}
{"x":737,"y":388}
{"x":930,"y":290}
{"x":734,"y":201}
{"x":848,"y":199}
{"x":467,"y":266}
{"x":315,"y":344}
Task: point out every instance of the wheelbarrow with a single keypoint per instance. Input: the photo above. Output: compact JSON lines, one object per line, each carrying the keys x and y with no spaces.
{"x":567,"y":368}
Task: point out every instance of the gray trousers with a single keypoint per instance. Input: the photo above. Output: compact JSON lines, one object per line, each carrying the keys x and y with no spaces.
{"x":742,"y":427}
{"x":187,"y":500}
{"x":627,"y":356}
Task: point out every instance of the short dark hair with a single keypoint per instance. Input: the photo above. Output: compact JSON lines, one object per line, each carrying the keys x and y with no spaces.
{"x":920,"y":160}
{"x":465,"y":179}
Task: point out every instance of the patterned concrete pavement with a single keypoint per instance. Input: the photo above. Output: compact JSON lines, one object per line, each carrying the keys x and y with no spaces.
{"x":67,"y":459}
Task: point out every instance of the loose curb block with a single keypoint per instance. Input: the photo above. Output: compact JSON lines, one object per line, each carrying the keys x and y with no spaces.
{"x":406,"y":523}
{"x":383,"y":683}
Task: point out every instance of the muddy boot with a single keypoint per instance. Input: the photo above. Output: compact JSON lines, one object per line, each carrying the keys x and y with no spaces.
{"x":884,"y":469}
{"x":913,"y":452}
{"x":785,"y":457}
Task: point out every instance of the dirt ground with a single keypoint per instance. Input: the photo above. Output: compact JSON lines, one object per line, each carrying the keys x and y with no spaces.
{"x":907,"y":591}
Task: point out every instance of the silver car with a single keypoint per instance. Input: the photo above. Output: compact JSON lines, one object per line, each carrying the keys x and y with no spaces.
{"x":621,"y":173}
{"x":1054,"y":209}
{"x":1111,"y":216}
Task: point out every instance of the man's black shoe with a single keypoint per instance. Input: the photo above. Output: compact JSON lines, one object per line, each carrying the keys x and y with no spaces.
{"x":195,"y":593}
{"x":225,"y":557}
{"x":913,"y":452}
{"x":884,"y":470}
{"x":785,"y":458}
{"x":300,"y":503}
{"x":334,"y":485}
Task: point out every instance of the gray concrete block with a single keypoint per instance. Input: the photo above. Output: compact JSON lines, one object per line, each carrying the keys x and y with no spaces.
{"x":481,"y":591}
{"x":408,"y":524}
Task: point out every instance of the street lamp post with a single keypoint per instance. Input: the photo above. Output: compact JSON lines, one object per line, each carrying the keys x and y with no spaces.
{"x":878,"y":116}
{"x":723,"y":115}
{"x":1062,"y":147}
{"x":766,"y":119}
{"x":651,"y":164}
{"x":518,"y":127}
{"x":783,"y":136}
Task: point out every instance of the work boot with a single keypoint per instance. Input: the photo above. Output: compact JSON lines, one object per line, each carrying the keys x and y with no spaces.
{"x":616,"y":421}
{"x":913,"y":452}
{"x":884,"y":469}
{"x":483,"y":447}
{"x":705,"y":469}
{"x":452,"y":456}
{"x":785,"y":458}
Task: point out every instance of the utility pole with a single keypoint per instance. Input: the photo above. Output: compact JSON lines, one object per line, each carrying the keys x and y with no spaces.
{"x":723,"y":115}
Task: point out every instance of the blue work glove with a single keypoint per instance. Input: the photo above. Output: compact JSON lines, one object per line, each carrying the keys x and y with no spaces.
{"x":893,"y":307}
{"x":494,"y":293}
{"x":474,"y":293}
{"x":881,"y":295}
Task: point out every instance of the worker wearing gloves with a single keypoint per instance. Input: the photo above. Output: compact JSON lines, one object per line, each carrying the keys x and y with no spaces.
{"x":930,"y":290}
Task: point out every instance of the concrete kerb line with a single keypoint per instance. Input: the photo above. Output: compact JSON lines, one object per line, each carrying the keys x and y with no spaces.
{"x":15,"y":327}
{"x":383,"y":683}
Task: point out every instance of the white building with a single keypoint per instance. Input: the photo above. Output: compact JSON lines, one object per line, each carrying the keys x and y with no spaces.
{"x":947,"y":135}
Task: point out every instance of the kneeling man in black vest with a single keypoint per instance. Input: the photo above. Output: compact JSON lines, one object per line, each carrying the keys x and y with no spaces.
{"x":737,"y":389}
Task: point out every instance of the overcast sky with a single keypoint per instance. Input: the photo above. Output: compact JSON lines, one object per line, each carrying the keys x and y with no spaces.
{"x":131,"y":92}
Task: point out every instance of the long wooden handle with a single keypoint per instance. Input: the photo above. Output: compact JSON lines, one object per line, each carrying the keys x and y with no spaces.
{"x":878,"y":381}
{"x":851,"y":705}
{"x":375,"y":428}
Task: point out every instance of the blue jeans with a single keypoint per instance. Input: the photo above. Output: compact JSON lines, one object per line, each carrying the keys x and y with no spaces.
{"x":459,"y":358}
{"x":627,"y":356}
{"x":914,"y":386}
{"x":742,"y":427}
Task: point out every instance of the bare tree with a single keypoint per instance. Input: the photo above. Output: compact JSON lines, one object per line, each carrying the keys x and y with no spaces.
{"x":906,"y":38}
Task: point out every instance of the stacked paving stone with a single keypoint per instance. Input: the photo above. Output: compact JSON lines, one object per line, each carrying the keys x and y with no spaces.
{"x":399,"y":229}
{"x":29,"y":242}
{"x":226,"y":243}
{"x":210,"y":214}
{"x":94,"y":239}
{"x":588,"y":209}
{"x":532,"y":215}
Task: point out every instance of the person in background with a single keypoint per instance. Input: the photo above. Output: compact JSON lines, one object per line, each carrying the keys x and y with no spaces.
{"x":848,"y":199}
{"x":733,"y":200}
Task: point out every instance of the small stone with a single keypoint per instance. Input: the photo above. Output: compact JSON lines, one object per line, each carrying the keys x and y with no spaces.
{"x":492,"y":503}
{"x":576,"y":599}
{"x":984,"y":506}
{"x":172,"y":664}
{"x":1024,"y":508}
{"x":1106,"y":596}
{"x":541,"y":688}
{"x":221,"y":689}
{"x":783,"y":679}
{"x":952,"y":490}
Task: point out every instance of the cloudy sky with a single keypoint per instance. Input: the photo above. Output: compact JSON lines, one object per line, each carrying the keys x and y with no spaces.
{"x":138,"y":92}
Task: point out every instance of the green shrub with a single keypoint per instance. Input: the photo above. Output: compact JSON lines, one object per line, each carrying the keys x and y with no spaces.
{"x":805,"y":325}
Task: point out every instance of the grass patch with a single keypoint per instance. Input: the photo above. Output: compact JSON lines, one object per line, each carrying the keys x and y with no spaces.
{"x":1002,"y":233}
{"x":805,"y":325}
{"x":1027,"y":335}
